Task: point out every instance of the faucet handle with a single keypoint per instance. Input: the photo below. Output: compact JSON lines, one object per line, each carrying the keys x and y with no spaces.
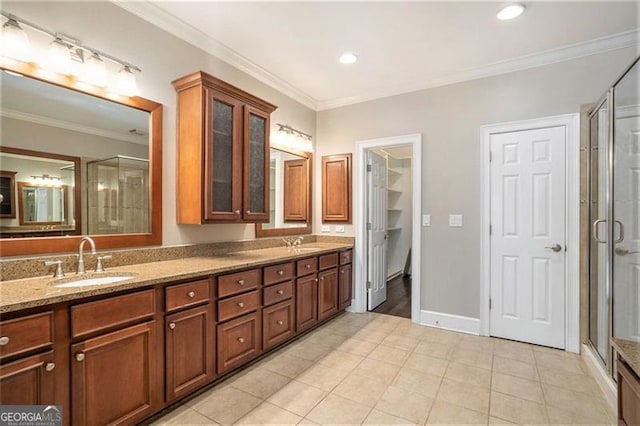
{"x":58,"y":263}
{"x":99,"y":267}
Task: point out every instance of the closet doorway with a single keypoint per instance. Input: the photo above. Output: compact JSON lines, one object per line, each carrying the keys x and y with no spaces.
{"x":387,"y":214}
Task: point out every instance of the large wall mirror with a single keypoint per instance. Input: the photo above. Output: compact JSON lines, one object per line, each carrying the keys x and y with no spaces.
{"x":75,"y":162}
{"x":289,"y":194}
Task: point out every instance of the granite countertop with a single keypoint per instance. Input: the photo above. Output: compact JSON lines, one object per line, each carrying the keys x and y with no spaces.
{"x":32,"y":292}
{"x":630,"y":351}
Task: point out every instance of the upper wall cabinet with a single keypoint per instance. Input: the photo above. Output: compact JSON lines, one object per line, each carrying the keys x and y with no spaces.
{"x":223,"y":152}
{"x":336,"y":188}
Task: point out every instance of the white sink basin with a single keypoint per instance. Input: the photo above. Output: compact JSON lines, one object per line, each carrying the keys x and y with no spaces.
{"x":93,"y":280}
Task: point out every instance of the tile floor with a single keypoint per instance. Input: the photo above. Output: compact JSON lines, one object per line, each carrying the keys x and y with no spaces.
{"x":379,"y":369}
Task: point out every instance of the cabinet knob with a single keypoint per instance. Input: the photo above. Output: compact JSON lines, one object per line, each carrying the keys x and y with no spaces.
{"x":308,"y":266}
{"x":280,"y":272}
{"x":191,"y":294}
{"x":4,"y":340}
{"x":237,"y":212}
{"x":248,"y":211}
{"x":240,"y":282}
{"x":342,"y":272}
{"x":240,"y":339}
{"x":172,"y":325}
{"x":80,"y":357}
{"x":280,"y":291}
{"x":241,"y":304}
{"x":316,"y":280}
{"x":321,"y":278}
{"x":49,"y":366}
{"x":279,"y":322}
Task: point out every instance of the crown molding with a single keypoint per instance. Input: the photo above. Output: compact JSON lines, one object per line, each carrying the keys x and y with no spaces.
{"x":565,"y":53}
{"x":159,"y":17}
{"x":52,"y":122}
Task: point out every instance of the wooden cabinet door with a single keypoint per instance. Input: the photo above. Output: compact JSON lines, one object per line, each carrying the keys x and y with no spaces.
{"x":239,"y":341}
{"x":296,"y":190}
{"x":336,"y":188}
{"x":28,"y":381}
{"x":223,"y":158}
{"x":114,"y":377}
{"x":628,"y":395}
{"x":189,"y":350}
{"x":306,"y":302}
{"x":327,"y":293}
{"x":344,"y":286}
{"x":256,"y":166}
{"x":278,"y":324}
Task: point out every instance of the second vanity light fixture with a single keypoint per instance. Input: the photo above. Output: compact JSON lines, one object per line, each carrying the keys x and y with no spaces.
{"x":288,"y":137}
{"x":68,"y":56}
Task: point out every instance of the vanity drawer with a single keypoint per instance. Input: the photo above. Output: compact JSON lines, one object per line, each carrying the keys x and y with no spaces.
{"x":277,"y":273}
{"x":238,"y":341}
{"x":307,"y":266}
{"x":231,"y":284}
{"x":345,"y":257}
{"x":27,"y":333}
{"x":278,"y":293}
{"x":328,"y":260}
{"x":95,"y":316}
{"x":188,"y":294}
{"x":237,"y":305}
{"x":278,"y":324}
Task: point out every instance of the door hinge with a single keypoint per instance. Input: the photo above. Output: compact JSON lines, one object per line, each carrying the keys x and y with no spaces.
{"x":368,"y":285}
{"x":490,"y":156}
{"x":489,"y":304}
{"x":490,"y":229}
{"x":368,"y":226}
{"x":368,"y":167}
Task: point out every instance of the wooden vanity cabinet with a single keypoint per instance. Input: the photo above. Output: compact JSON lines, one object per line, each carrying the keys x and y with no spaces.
{"x":223,"y":152}
{"x":327,"y":286}
{"x":336,"y":188}
{"x":306,"y":302}
{"x":345,"y":279}
{"x":628,"y":394}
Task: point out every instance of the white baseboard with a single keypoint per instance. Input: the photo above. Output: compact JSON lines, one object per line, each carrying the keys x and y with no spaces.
{"x":601,"y":377}
{"x":450,"y":322}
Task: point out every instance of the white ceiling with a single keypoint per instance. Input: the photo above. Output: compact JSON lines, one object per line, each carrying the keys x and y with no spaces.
{"x":402,"y":46}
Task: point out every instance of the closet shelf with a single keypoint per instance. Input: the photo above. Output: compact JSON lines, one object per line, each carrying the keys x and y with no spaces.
{"x":394,"y":191}
{"x":394,"y":172}
{"x":394,"y":210}
{"x":394,"y":229}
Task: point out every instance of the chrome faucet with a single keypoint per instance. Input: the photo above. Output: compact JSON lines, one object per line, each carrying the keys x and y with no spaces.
{"x":81,"y":270}
{"x":293,"y":242}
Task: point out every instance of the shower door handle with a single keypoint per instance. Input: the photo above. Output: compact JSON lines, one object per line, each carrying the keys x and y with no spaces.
{"x":621,"y":237}
{"x":595,"y":230}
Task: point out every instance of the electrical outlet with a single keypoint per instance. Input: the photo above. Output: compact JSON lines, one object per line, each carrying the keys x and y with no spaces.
{"x":455,"y":220}
{"x":340,"y":229}
{"x":326,"y":228}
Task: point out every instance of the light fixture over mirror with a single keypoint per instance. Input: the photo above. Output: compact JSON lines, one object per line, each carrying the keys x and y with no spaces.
{"x":290,"y":139}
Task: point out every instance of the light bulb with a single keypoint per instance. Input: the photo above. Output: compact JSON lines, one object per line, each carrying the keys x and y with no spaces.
{"x":58,"y":58}
{"x":348,"y":58}
{"x":510,"y":12}
{"x":95,"y":71}
{"x":126,"y":83}
{"x":15,"y":42}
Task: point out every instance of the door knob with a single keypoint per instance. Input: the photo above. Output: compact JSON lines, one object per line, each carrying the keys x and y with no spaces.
{"x":49,"y":366}
{"x":623,"y":251}
{"x":556,"y":247}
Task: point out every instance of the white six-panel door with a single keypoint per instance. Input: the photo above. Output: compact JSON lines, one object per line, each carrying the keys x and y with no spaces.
{"x":528,"y":197}
{"x":377,"y":217}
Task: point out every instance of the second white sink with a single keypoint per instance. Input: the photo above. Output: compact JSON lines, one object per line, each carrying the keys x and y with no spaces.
{"x":93,"y":280}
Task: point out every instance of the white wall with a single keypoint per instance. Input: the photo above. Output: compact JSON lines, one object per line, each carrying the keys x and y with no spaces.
{"x":450,"y":118}
{"x":162,"y":58}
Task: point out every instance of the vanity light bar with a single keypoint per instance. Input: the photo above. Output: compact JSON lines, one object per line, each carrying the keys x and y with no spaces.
{"x":291,"y":131}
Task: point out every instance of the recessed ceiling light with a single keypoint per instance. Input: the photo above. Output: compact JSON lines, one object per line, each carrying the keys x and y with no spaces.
{"x":348,"y":58}
{"x":511,"y":11}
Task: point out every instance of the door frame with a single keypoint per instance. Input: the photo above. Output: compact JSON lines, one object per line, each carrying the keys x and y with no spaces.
{"x":571,"y":123}
{"x":360,"y":174}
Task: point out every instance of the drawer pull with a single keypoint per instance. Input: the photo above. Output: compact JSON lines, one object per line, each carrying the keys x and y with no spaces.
{"x":237,"y":212}
{"x":172,"y":325}
{"x":248,"y":211}
{"x":281,"y":272}
{"x":50,"y":366}
{"x":240,"y":282}
{"x":80,"y":357}
{"x":4,"y":340}
{"x":308,"y":266}
{"x":240,"y":304}
{"x":279,"y":322}
{"x":191,"y":294}
{"x":316,"y":280}
{"x":240,"y":339}
{"x":280,"y":291}
{"x":342,"y":272}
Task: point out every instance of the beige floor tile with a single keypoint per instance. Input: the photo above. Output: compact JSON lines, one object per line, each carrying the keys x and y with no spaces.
{"x":400,"y":341}
{"x":269,"y":414}
{"x":473,"y":358}
{"x":377,"y":417}
{"x":560,"y":361}
{"x":297,"y":397}
{"x":337,"y":410}
{"x":341,"y":360}
{"x":411,"y":330}
{"x":560,"y":416}
{"x":287,"y":365}
{"x":471,"y":344}
{"x":362,"y":389}
{"x":357,"y":347}
{"x":434,"y":349}
{"x":498,"y":421}
{"x":517,"y":410}
{"x":468,"y":374}
{"x":308,"y":350}
{"x":226,"y":405}
{"x":307,"y":422}
{"x":373,"y":336}
{"x":518,"y":387}
{"x":377,"y":369}
{"x":514,"y":350}
{"x":427,"y":364}
{"x":389,"y":354}
{"x":380,"y":326}
{"x":327,"y":339}
{"x":515,"y":368}
{"x":184,"y":415}
{"x":445,"y":413}
{"x":261,"y":383}
{"x":457,"y":393}
{"x":441,"y":336}
{"x":405,"y":404}
{"x":572,"y":381}
{"x":322,"y":377}
{"x":593,"y":407}
{"x":417,"y":381}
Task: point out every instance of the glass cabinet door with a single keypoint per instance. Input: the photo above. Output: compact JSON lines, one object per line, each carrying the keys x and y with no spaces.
{"x":626,"y":207}
{"x":256,"y":165}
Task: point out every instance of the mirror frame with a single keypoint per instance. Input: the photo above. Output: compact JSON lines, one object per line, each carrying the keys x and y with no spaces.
{"x":44,"y":245}
{"x":283,"y":232}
